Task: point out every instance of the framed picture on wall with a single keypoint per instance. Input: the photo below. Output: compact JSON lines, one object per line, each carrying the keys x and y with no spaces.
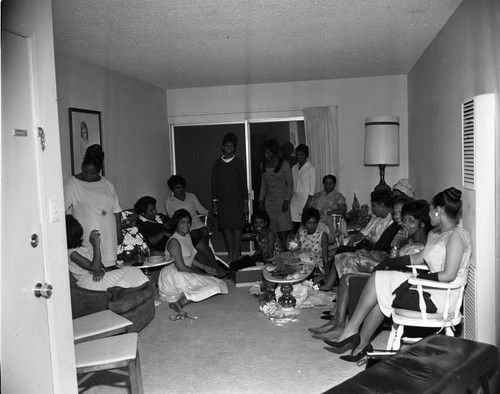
{"x":85,"y":130}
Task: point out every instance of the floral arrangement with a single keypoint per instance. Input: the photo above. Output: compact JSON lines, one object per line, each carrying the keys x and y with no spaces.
{"x":353,"y":214}
{"x":134,"y":246}
{"x":364,"y":215}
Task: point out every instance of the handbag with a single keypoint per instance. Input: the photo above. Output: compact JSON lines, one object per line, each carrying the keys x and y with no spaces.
{"x":407,"y":298}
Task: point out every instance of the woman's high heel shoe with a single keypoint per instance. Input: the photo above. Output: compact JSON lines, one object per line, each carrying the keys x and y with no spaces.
{"x":352,"y":340}
{"x":354,"y":358}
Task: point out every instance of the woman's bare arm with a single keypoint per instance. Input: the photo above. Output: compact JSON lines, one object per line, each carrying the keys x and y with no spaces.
{"x":454,"y":254}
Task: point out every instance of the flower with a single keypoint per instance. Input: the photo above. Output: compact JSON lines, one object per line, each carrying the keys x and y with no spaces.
{"x":133,"y":242}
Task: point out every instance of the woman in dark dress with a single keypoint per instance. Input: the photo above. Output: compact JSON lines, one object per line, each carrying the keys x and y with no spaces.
{"x":230,"y":195}
{"x":153,"y":226}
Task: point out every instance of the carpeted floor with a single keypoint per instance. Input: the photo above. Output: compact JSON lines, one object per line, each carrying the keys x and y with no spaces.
{"x":232,"y":347}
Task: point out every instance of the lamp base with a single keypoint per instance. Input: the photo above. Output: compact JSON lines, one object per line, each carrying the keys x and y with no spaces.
{"x":382,"y":185}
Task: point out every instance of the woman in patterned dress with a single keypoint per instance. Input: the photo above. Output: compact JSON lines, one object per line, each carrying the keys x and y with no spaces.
{"x":276,"y":189}
{"x":267,"y":243}
{"x":312,"y":238}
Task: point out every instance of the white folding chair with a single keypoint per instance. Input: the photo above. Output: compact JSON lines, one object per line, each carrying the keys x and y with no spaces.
{"x":99,"y":325}
{"x":446,"y":320}
{"x":110,"y":353}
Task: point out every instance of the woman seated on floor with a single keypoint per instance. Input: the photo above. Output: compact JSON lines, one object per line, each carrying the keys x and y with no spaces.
{"x":191,"y":277}
{"x":329,"y":202}
{"x":313,"y":238}
{"x":87,"y":268}
{"x":414,"y":216}
{"x":200,"y":235}
{"x":153,"y":226}
{"x":365,"y":255}
{"x":447,"y":253}
{"x":266,"y":240}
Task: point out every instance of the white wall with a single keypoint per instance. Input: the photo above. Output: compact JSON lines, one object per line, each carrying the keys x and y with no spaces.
{"x":462,"y":61}
{"x":356,"y":98}
{"x":134,"y":126}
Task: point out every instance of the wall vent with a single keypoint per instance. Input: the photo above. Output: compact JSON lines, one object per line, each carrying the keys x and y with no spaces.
{"x":468,"y":145}
{"x":478,"y":218}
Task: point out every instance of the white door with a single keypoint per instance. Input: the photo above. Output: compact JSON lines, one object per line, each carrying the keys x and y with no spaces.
{"x":37,"y":352}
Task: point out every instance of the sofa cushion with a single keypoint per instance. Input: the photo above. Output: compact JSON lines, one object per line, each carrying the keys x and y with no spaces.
{"x":84,"y":302}
{"x":141,"y":315}
{"x":130,"y":298}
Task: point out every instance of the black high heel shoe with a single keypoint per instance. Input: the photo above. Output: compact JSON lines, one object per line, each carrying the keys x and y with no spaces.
{"x":352,"y":340}
{"x":354,"y":358}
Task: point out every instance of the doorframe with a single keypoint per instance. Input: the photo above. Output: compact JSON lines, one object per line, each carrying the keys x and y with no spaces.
{"x":30,"y":22}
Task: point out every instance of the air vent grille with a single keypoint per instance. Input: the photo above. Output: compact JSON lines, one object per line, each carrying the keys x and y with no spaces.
{"x":468,"y":145}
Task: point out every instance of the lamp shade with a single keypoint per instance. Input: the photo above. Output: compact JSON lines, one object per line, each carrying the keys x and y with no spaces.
{"x":382,"y":140}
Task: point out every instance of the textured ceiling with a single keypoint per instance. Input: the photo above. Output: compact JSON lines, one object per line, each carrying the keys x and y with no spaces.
{"x":194,"y":43}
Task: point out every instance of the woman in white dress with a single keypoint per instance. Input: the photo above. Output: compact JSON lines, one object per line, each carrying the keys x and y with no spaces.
{"x":447,"y":253}
{"x":304,"y":184}
{"x":92,"y":200}
{"x":189,"y":278}
{"x":200,"y":235}
{"x":86,"y":266}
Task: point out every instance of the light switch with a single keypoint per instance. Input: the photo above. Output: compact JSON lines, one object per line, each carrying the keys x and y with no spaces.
{"x":54,"y":209}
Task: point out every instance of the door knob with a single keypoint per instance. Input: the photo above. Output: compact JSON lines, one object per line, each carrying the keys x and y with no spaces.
{"x":44,"y":290}
{"x":34,"y":240}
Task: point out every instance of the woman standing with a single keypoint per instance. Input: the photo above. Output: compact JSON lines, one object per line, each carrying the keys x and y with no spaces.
{"x":304,"y":184}
{"x":230,"y":195}
{"x":276,"y":189}
{"x":92,"y":200}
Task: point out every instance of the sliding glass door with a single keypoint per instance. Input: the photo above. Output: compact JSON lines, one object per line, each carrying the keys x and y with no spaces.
{"x":195,"y":148}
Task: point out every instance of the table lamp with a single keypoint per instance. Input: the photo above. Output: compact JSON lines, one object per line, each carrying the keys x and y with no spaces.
{"x":382,"y":145}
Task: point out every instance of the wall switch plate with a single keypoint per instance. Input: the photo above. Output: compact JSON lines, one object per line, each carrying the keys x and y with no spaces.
{"x":54,"y":212}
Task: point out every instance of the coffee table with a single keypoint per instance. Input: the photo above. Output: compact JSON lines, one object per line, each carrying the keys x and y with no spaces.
{"x":302,"y":270}
{"x":148,"y":265}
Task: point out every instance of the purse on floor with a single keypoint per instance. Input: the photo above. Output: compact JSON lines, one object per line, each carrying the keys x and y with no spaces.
{"x":407,"y":298}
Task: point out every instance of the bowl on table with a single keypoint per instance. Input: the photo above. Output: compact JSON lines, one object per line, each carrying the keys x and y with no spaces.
{"x":156,"y":259}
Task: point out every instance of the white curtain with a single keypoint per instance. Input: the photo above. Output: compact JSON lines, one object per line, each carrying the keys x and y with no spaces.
{"x":322,"y":138}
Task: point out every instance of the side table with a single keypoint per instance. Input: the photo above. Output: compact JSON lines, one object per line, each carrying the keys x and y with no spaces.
{"x":287,"y":301}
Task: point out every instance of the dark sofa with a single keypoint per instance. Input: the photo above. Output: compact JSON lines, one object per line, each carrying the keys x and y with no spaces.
{"x":137,"y":306}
